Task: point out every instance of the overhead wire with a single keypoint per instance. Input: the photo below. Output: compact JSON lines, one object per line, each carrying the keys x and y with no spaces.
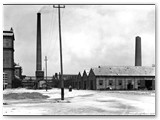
{"x":52,"y":33}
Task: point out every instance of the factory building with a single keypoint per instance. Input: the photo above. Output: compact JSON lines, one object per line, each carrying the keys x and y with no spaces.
{"x":31,"y":82}
{"x":122,"y":78}
{"x":18,"y":71}
{"x":8,"y":57}
{"x":52,"y":81}
{"x":70,"y":79}
{"x":119,"y":77}
{"x":116,"y":78}
{"x":12,"y":73}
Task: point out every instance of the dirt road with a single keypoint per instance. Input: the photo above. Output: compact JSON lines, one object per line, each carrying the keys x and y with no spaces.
{"x":83,"y":102}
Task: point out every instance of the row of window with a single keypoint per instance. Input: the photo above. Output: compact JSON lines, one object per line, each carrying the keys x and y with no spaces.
{"x":119,"y":82}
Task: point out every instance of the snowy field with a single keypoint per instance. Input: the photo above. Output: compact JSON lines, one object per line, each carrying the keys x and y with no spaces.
{"x":79,"y":102}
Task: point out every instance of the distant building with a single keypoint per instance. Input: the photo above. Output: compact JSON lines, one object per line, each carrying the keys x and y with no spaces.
{"x":8,"y":56}
{"x":30,"y":81}
{"x":18,"y":71}
{"x":69,"y":79}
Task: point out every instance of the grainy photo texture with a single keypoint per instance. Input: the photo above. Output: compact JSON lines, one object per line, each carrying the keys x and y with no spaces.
{"x":78,"y":59}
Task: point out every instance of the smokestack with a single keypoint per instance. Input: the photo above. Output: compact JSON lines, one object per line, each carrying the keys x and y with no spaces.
{"x":138,"y":59}
{"x":38,"y":57}
{"x":39,"y":72}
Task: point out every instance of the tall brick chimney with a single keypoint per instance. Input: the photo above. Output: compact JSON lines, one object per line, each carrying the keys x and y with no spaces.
{"x":39,"y":72}
{"x":138,"y":58}
{"x":38,"y":52}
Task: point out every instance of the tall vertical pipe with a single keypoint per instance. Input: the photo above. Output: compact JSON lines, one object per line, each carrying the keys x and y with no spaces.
{"x":38,"y":57}
{"x":138,"y":58}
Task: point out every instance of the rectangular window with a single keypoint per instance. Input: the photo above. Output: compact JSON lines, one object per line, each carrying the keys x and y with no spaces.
{"x":119,"y":82}
{"x":100,"y":82}
{"x":111,"y":82}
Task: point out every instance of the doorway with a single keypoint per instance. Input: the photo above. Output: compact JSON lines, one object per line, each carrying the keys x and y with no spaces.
{"x":91,"y":85}
{"x":129,"y":86}
{"x":148,"y":84}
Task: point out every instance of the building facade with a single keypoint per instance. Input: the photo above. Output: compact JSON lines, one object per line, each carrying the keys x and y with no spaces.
{"x":122,"y":78}
{"x":8,"y":56}
{"x":18,"y":71}
{"x":116,"y":78}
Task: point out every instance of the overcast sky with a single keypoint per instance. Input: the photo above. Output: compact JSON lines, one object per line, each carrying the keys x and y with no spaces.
{"x":92,"y":35}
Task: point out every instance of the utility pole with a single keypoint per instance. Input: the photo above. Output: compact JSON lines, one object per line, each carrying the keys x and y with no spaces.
{"x":46,"y":70}
{"x":60,"y":42}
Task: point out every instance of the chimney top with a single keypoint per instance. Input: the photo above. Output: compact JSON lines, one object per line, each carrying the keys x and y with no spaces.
{"x":137,"y":37}
{"x":11,"y":29}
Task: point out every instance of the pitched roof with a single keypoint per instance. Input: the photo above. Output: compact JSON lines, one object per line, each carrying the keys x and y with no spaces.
{"x":124,"y":71}
{"x":87,"y":71}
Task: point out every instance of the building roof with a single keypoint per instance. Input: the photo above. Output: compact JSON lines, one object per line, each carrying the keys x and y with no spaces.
{"x":81,"y":72}
{"x":87,"y":71}
{"x":9,"y":33}
{"x":124,"y":71}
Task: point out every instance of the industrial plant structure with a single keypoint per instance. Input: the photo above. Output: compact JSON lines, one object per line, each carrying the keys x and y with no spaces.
{"x":8,"y":57}
{"x":118,"y":77}
{"x":11,"y":71}
{"x":96,"y":78}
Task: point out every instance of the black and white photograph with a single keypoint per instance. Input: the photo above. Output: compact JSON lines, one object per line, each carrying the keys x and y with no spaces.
{"x":79,"y":59}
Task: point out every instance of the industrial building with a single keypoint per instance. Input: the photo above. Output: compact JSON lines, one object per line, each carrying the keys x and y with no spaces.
{"x":8,"y":57}
{"x":97,"y":78}
{"x":18,"y":71}
{"x":122,"y":78}
{"x":115,"y":78}
{"x":11,"y":71}
{"x":118,"y":77}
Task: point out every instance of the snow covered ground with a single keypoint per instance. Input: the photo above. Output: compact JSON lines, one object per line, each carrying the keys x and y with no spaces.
{"x":82,"y":102}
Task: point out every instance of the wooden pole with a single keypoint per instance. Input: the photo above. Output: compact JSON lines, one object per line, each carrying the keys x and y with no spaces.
{"x":60,"y":43}
{"x":46,"y":70}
